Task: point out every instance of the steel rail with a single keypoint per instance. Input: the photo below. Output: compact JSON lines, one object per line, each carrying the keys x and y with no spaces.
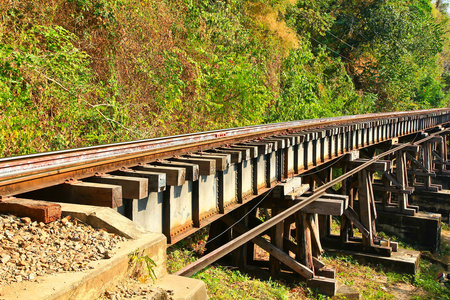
{"x":25,"y":173}
{"x":213,"y":256}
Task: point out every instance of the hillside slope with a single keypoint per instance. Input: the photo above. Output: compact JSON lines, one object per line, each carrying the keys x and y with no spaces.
{"x":83,"y":72}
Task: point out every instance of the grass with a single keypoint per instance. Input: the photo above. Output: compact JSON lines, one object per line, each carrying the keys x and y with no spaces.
{"x":372,"y":281}
{"x":225,"y":283}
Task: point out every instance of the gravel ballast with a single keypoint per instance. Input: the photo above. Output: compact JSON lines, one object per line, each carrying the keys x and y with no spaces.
{"x":29,"y":249}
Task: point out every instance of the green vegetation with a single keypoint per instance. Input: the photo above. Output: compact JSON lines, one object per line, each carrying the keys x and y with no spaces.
{"x":139,"y":261}
{"x":426,"y":280}
{"x":84,"y":72}
{"x":224,"y":283}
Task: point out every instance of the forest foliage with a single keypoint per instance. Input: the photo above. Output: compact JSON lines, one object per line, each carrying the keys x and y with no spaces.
{"x":84,"y":72}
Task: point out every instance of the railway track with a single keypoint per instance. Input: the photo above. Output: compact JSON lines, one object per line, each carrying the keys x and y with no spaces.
{"x":184,"y":182}
{"x":177,"y":185}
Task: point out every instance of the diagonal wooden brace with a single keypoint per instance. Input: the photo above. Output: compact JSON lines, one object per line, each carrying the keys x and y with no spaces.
{"x":276,"y":252}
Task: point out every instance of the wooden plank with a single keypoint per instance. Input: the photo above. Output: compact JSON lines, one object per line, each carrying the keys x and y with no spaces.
{"x":236,"y":156}
{"x":276,"y":144}
{"x":175,"y":176}
{"x":276,"y":238}
{"x":325,"y":285}
{"x":351,"y":214}
{"x":223,"y":160}
{"x":325,"y":272}
{"x":318,"y":264}
{"x":40,"y":211}
{"x":315,"y":237}
{"x":245,"y":151}
{"x":284,"y":188}
{"x":206,"y":166}
{"x":295,"y":138}
{"x":156,"y":181}
{"x":416,"y":162}
{"x":263,"y":148}
{"x":344,"y":198}
{"x":393,"y":180}
{"x":97,"y":194}
{"x":273,"y":250}
{"x":192,"y":170}
{"x":132,"y":187}
{"x":303,"y":236}
{"x":281,"y":143}
{"x":291,"y":140}
{"x":253,"y":149}
{"x":332,"y":207}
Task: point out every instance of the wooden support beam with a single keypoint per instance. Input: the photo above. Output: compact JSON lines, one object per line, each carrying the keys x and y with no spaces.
{"x":156,"y":181}
{"x":318,"y":264}
{"x":416,"y":162}
{"x":276,"y":144}
{"x":245,"y":151}
{"x":132,"y":187}
{"x":393,"y":180}
{"x":303,"y":237}
{"x":192,"y":170}
{"x":289,"y":198}
{"x":263,"y":148}
{"x":325,"y":272}
{"x":175,"y":176}
{"x":343,"y":198}
{"x":223,"y":160}
{"x":290,"y":139}
{"x":365,"y":207}
{"x":295,"y":138}
{"x":236,"y":156}
{"x":315,"y":237}
{"x":323,"y":206}
{"x":283,"y":189}
{"x":281,"y":143}
{"x":206,"y":166}
{"x":353,"y":216}
{"x":438,"y":157}
{"x":327,"y":286}
{"x":40,"y":211}
{"x":402,"y":178}
{"x":253,"y":149}
{"x":273,"y":250}
{"x":276,"y":238}
{"x":90,"y":193}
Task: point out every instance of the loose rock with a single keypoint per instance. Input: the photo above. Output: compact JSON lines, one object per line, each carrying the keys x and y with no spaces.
{"x":29,"y":248}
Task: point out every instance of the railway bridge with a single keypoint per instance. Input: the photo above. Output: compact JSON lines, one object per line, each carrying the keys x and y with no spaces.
{"x":369,"y":171}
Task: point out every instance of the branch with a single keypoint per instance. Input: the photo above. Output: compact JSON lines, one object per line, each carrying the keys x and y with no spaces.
{"x":110,"y":121}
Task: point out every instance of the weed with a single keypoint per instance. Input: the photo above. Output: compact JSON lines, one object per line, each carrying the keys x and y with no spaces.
{"x":137,"y":261}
